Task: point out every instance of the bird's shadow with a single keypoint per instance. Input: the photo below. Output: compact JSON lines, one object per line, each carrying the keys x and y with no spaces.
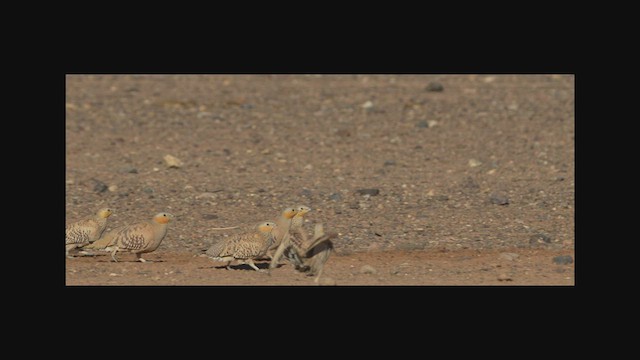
{"x":261,"y":266}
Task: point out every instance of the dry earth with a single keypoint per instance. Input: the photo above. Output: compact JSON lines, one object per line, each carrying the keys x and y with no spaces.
{"x":464,"y":173}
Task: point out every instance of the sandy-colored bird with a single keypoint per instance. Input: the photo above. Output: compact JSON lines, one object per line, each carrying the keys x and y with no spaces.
{"x":284,"y":223}
{"x":296,"y":227}
{"x":307,"y":256}
{"x":244,"y":247}
{"x":86,"y":231}
{"x":139,"y":238}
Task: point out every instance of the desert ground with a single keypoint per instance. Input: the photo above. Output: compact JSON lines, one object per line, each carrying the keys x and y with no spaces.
{"x":427,"y":179}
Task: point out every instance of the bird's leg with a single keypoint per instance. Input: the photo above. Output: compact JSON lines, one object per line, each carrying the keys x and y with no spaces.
{"x":228,"y":266}
{"x":250,"y":263}
{"x":139,"y":258}
{"x":319,"y":273}
{"x":67,"y":248}
{"x":113,"y":253}
{"x":276,"y":257}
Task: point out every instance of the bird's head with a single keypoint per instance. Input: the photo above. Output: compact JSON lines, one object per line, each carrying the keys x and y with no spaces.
{"x":289,"y":212}
{"x":104,"y":213}
{"x":266,"y":227}
{"x":162,"y":218}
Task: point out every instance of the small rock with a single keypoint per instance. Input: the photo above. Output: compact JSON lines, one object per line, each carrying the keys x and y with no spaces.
{"x":326,"y":281}
{"x":113,"y":274}
{"x":389,"y":162}
{"x":432,"y":123}
{"x":99,"y":186}
{"x":422,"y":124}
{"x":308,"y":167}
{"x":128,"y":170}
{"x":367,"y":105}
{"x":305,"y":193}
{"x":540,"y":238}
{"x":335,"y":197}
{"x":504,"y":277}
{"x":499,"y":198}
{"x":441,"y":197}
{"x":113,"y":188}
{"x":173,"y":162}
{"x":470,"y":183}
{"x":368,"y":269}
{"x":509,"y":256}
{"x":563,"y":260}
{"x":435,"y":87}
{"x":474,"y":163}
{"x":209,"y":216}
{"x":148,"y":190}
{"x":206,"y":195}
{"x":370,"y":192}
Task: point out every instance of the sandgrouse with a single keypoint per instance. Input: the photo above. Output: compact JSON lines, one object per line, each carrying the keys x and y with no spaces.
{"x":139,"y":238}
{"x":86,"y":231}
{"x":244,"y":247}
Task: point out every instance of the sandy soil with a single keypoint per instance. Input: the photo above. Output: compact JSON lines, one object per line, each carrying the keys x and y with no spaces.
{"x":463,"y":175}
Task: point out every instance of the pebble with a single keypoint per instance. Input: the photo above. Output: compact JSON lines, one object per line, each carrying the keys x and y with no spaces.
{"x":504,"y":277}
{"x":435,"y":87}
{"x":335,"y":197}
{"x":128,"y":170}
{"x":474,"y":163}
{"x":209,"y":216}
{"x":367,"y":105}
{"x":422,"y":124}
{"x":370,"y":192}
{"x":499,"y":198}
{"x":368,"y":269}
{"x":389,"y":162}
{"x":207,"y":195}
{"x":113,"y":274}
{"x":563,"y":260}
{"x":99,"y":186}
{"x":113,"y":188}
{"x":540,"y":238}
{"x":509,"y":256}
{"x":173,"y":162}
{"x":305,"y":193}
{"x":148,"y":190}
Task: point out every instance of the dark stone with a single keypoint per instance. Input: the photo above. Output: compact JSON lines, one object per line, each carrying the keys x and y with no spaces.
{"x":389,"y":162}
{"x":499,"y":198}
{"x":540,"y":238}
{"x":305,"y":193}
{"x":209,"y":216}
{"x":99,"y":186}
{"x":129,"y":170}
{"x":227,"y":152}
{"x":434,"y":86}
{"x":371,"y":192}
{"x":470,"y":183}
{"x":335,"y":197}
{"x":563,"y":260}
{"x":148,"y":190}
{"x":441,"y":197}
{"x":423,"y":124}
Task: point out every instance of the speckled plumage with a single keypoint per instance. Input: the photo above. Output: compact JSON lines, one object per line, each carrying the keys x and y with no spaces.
{"x":139,"y":238}
{"x":244,"y":247}
{"x":307,"y":256}
{"x":295,"y":233}
{"x":87,"y":230}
